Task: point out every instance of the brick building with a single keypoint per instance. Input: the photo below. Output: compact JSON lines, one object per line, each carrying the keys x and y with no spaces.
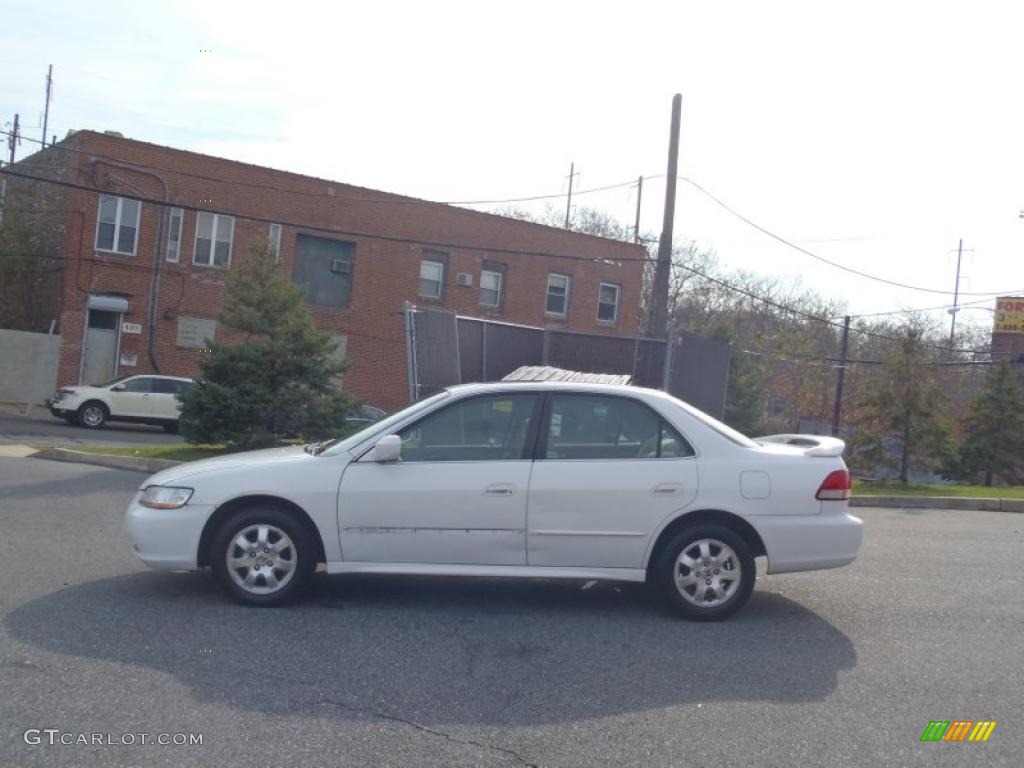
{"x":142,"y":234}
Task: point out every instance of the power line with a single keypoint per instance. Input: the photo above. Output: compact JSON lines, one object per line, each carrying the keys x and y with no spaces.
{"x":925,"y":309}
{"x":822,"y":259}
{"x":462,"y":246}
{"x":395,"y":201}
{"x":334,"y":230}
{"x":804,"y":314}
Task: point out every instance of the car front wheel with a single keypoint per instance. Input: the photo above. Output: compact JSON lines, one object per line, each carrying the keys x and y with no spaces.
{"x":707,"y":572}
{"x":263,"y":556}
{"x":92,"y":415}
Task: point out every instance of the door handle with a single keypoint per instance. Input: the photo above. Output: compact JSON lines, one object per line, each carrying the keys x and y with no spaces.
{"x":499,"y":489}
{"x":667,"y":489}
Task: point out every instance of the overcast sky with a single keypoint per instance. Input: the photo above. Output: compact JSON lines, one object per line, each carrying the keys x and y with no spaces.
{"x":873,"y":134}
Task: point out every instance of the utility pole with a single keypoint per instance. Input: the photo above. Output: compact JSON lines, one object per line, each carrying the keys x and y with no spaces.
{"x":841,"y":377}
{"x":13,"y":139}
{"x":658,"y":327}
{"x":639,"y":195}
{"x":568,"y":202}
{"x":46,"y":111}
{"x":956,"y":295}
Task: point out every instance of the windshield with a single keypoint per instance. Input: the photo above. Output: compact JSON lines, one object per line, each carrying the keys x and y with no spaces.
{"x":381,"y":427}
{"x":723,"y":429}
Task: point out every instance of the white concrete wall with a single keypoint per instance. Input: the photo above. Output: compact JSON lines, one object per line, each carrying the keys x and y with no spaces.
{"x":28,"y":366}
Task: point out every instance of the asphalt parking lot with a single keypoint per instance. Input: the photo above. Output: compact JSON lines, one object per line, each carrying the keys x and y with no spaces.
{"x":833,"y":668}
{"x":41,"y":427}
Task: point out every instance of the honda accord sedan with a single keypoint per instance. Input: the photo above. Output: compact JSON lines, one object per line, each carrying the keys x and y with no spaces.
{"x":526,"y":479}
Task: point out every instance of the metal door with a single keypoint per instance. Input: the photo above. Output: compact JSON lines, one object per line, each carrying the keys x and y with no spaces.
{"x":100,"y":357}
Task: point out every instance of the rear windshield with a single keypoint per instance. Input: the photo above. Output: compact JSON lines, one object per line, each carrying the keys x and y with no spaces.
{"x":723,"y":429}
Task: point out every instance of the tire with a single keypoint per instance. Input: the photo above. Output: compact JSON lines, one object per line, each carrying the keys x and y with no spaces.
{"x":92,"y":415}
{"x":684,"y":588}
{"x":297,"y":558}
{"x":170,"y":427}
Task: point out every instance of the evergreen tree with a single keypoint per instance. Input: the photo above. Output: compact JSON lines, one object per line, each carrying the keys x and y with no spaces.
{"x":280,"y":380}
{"x":905,"y":405}
{"x":993,"y":442}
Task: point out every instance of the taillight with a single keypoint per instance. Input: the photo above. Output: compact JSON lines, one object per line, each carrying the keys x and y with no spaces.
{"x":836,"y":487}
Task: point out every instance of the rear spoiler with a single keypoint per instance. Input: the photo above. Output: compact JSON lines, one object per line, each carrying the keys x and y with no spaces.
{"x":816,"y":445}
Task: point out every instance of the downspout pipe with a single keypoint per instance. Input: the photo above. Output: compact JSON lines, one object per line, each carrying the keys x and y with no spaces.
{"x":154,"y":278}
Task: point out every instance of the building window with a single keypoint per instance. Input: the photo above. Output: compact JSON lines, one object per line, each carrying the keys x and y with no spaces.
{"x":558,"y":295}
{"x":432,"y":276}
{"x":175,"y":219}
{"x":323,"y":268}
{"x":608,"y":303}
{"x":491,"y":285}
{"x":214,"y":235}
{"x":275,"y":242}
{"x":117,"y":229}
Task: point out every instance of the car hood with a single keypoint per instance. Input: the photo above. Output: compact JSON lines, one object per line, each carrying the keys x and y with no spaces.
{"x":246,"y":459}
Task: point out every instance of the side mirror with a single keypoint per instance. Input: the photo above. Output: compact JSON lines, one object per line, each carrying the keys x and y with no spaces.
{"x":118,"y":388}
{"x":388,"y":448}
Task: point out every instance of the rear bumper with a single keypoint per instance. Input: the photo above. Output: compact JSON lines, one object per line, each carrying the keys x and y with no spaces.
{"x":810,"y":542}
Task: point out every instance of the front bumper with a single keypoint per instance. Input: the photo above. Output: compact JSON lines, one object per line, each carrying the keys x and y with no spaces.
{"x":810,"y":542}
{"x":166,"y":539}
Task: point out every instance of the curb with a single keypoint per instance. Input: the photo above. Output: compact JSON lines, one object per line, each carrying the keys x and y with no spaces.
{"x":940,"y":502}
{"x":130,"y":463}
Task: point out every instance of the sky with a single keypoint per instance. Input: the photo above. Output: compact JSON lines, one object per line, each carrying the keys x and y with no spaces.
{"x":874,"y":134}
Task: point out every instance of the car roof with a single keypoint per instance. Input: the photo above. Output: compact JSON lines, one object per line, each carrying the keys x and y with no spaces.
{"x":158,"y":376}
{"x":549,"y":386}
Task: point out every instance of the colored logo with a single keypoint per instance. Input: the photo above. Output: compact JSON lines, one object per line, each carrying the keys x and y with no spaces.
{"x":958,"y":730}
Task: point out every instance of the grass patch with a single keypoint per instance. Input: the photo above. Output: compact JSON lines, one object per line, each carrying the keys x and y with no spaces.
{"x":171,"y":452}
{"x":970,"y":491}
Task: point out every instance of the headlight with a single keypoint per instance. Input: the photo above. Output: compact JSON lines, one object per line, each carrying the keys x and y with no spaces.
{"x":165,"y":497}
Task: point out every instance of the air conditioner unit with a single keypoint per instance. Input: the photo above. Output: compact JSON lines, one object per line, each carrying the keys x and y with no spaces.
{"x":464,"y":278}
{"x":341,"y":266}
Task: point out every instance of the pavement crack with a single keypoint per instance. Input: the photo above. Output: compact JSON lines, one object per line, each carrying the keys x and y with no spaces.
{"x":424,"y":729}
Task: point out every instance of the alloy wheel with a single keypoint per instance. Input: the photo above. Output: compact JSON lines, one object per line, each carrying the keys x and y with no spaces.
{"x":707,"y":573}
{"x":261,"y":559}
{"x":92,"y":415}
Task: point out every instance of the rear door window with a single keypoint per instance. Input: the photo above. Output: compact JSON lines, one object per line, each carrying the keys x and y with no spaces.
{"x":603,"y":427}
{"x":165,"y":386}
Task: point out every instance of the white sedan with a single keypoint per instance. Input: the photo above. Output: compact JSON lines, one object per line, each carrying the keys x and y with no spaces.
{"x":521,"y":479}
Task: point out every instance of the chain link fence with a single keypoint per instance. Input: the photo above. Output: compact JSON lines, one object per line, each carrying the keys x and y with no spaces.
{"x":445,"y":349}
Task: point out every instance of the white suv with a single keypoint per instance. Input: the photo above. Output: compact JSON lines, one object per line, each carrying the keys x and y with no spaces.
{"x":142,"y":399}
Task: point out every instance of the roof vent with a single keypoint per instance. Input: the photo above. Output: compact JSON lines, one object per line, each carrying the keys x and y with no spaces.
{"x":118,"y":134}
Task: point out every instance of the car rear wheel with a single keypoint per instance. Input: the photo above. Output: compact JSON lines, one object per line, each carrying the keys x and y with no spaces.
{"x":707,"y":572}
{"x":93,"y":415}
{"x":263,"y":556}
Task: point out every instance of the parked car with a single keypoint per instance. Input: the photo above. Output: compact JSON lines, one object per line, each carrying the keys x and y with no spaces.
{"x":142,"y":399}
{"x":528,"y":479}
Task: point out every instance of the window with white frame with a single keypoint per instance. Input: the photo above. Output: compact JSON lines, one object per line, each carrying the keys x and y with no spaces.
{"x":432,"y":277}
{"x":490,"y":287}
{"x":214,"y":235}
{"x":175,"y":220}
{"x":117,"y":227}
{"x":608,"y":303}
{"x":275,"y":241}
{"x":558,"y":295}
